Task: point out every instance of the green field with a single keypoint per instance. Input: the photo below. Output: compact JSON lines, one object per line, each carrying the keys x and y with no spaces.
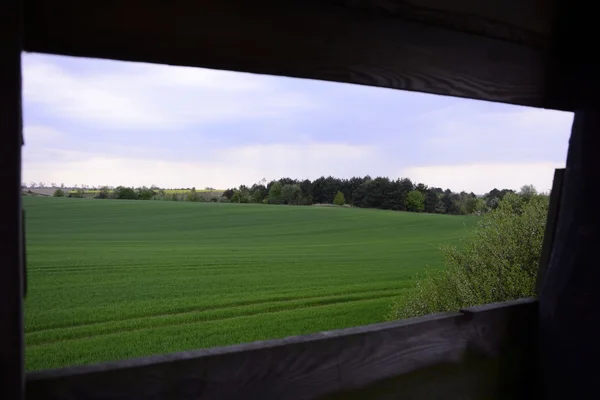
{"x":112,"y":279}
{"x":178,"y":191}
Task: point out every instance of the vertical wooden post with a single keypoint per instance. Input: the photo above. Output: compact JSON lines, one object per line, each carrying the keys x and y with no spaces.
{"x":553,"y":208}
{"x":570,"y":295}
{"x":11,"y":276}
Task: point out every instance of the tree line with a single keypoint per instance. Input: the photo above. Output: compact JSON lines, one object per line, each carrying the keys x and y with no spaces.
{"x":366,"y":192}
{"x":143,"y":193}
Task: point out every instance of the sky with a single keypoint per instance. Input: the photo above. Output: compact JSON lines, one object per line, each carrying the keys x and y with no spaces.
{"x":100,"y":122}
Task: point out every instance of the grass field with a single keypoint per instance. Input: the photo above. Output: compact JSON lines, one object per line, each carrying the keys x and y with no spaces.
{"x":111,"y":279}
{"x":178,"y":191}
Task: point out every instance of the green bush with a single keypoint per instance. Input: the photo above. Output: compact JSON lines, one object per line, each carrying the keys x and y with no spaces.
{"x":415,"y":201}
{"x":59,"y":193}
{"x":498,"y":262}
{"x":339,"y":199}
{"x":77,"y":194}
{"x":124,"y":193}
{"x":145,"y":193}
{"x":103,"y":193}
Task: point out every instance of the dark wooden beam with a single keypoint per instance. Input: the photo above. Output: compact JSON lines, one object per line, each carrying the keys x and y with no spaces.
{"x":569,"y":298}
{"x":572,"y":78}
{"x":11,"y":289}
{"x":527,"y":22}
{"x":497,"y":336}
{"x":553,"y":209}
{"x":569,"y":320}
{"x":323,"y":40}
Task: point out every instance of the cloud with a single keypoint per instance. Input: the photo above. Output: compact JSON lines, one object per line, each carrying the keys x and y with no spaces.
{"x":224,"y":168}
{"x":41,"y":133}
{"x":491,"y":133}
{"x":144,"y":96}
{"x":106,"y":122}
{"x":481,"y":178}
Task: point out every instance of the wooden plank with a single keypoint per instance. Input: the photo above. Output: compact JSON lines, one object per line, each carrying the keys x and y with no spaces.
{"x":502,"y":374}
{"x":569,"y":318}
{"x":11,"y":290}
{"x":527,"y":22}
{"x":302,"y":367}
{"x":572,"y":77}
{"x":306,"y":39}
{"x":553,"y":210}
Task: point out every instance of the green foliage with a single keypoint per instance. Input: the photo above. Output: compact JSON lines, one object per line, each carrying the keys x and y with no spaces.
{"x":116,"y":280}
{"x":77,"y":194}
{"x":275,"y":193}
{"x":103,"y":193}
{"x":145,"y":193}
{"x":339,"y":199}
{"x":124,"y":193}
{"x":192,"y":195}
{"x":498,"y":263}
{"x":415,"y":201}
{"x":291,"y":194}
{"x":480,"y":206}
{"x":527,"y":192}
{"x":59,"y":193}
{"x":258,"y":194}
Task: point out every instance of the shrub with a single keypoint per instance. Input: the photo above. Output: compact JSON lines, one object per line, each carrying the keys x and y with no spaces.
{"x":145,"y":193}
{"x":77,"y":194}
{"x":498,"y":262}
{"x":275,"y":193}
{"x":290,"y":194}
{"x":339,"y":199}
{"x":415,"y":201}
{"x":59,"y":193}
{"x":104,"y":193}
{"x":124,"y":193}
{"x":192,"y":195}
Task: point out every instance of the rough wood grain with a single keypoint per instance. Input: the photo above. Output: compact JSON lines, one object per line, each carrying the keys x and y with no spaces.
{"x":307,"y":39}
{"x":11,"y":290}
{"x":572,"y":78}
{"x":553,"y":209}
{"x":303,"y":367}
{"x":569,"y":299}
{"x":528,"y":22}
{"x":569,"y":319}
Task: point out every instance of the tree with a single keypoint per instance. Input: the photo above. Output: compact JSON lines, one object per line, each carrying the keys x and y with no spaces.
{"x":124,"y":193}
{"x":291,"y":194}
{"x":339,"y":199}
{"x":145,"y":193}
{"x":228,"y":193}
{"x":498,"y":262}
{"x":192,"y":195}
{"x":527,"y":192}
{"x":59,"y":193}
{"x":415,"y":201}
{"x":258,"y":192}
{"x":103,"y":193}
{"x":431,"y":201}
{"x":77,"y":194}
{"x":275,"y":193}
{"x":480,"y":206}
